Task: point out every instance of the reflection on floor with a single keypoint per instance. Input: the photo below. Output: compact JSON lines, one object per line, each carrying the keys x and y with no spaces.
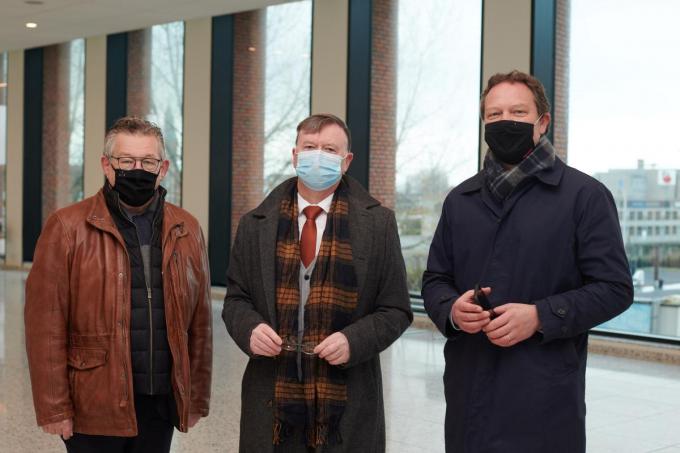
{"x":632,"y":406}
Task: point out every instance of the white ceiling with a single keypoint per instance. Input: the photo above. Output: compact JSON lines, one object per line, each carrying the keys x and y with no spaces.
{"x":63,"y":20}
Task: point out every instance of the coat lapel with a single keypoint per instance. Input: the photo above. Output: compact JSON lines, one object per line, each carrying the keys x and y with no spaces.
{"x":267,"y":245}
{"x":268,"y":221}
{"x":360,"y":228}
{"x":360,"y":238}
{"x":360,"y":224}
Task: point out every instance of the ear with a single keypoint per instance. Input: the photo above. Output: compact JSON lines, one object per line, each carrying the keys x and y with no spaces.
{"x":108,"y":170}
{"x":294,"y":157}
{"x":164,"y":169}
{"x":544,"y":123}
{"x":346,"y":162}
{"x":162,"y":172}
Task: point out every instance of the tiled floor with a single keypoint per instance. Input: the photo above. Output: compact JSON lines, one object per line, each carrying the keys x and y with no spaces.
{"x":633,"y":406}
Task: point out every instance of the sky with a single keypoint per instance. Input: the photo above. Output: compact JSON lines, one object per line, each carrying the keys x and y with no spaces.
{"x":438,"y":86}
{"x":623,"y":77}
{"x":623,"y":71}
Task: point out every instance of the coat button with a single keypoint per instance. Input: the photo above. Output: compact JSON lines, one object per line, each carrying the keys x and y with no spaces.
{"x":562,"y":311}
{"x":564,"y":329}
{"x":120,"y":275}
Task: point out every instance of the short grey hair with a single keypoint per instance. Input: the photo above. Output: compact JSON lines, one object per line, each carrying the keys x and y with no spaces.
{"x":133,"y":126}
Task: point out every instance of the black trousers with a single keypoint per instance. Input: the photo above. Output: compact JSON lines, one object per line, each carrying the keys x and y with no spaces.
{"x":154,"y":428}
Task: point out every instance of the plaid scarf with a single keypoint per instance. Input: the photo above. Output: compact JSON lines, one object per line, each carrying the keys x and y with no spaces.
{"x":502,"y":182}
{"x":318,"y":402}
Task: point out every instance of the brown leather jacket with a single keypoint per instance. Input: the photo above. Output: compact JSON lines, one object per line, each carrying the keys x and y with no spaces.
{"x":77,"y":317}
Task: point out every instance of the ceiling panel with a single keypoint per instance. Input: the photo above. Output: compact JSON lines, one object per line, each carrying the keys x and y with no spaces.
{"x":63,"y":20}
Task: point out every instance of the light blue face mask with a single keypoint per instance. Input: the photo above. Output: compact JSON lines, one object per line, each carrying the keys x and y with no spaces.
{"x":318,"y":169}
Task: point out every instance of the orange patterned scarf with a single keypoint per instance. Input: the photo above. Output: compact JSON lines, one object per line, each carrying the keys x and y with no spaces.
{"x":317,"y":402}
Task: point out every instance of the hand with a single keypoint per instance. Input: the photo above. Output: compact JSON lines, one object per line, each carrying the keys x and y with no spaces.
{"x":468,"y":316}
{"x":515,"y":323}
{"x":62,"y":428}
{"x":334,"y":349}
{"x":264,"y":341}
{"x":193,"y":419}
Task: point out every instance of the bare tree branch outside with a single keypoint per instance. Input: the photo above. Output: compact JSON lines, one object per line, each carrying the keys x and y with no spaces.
{"x":437,"y":122}
{"x":287,"y":85}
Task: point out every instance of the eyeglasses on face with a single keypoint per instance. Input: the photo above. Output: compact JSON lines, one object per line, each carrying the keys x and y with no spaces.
{"x":128,"y":163}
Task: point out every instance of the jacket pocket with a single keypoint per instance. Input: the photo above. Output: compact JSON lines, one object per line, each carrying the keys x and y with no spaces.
{"x":85,"y":359}
{"x":88,"y":378}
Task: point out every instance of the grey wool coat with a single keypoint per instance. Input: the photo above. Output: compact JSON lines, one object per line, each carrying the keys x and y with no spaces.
{"x":382,"y":314}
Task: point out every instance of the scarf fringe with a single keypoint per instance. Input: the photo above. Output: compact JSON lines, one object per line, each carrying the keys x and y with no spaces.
{"x":278,"y":426}
{"x":323,"y":434}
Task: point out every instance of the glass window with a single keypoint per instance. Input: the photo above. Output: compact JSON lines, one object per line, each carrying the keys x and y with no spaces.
{"x":3,"y":147}
{"x":636,"y":166}
{"x":438,"y":86}
{"x":156,"y":90}
{"x":287,"y":85}
{"x":63,"y":125}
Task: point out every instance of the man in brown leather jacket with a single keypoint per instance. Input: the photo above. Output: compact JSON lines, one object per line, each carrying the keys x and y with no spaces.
{"x":118,"y":315}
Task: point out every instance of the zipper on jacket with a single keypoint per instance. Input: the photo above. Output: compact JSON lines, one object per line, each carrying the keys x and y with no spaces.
{"x":148,"y":299}
{"x":148,"y":295}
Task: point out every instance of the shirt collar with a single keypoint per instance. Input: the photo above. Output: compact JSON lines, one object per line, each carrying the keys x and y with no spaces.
{"x":324,"y":204}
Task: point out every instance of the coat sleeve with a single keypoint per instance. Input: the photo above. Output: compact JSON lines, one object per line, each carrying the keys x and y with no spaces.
{"x":46,"y":323}
{"x":439,"y":289}
{"x":392,"y":313}
{"x":239,"y":313}
{"x":602,"y":262}
{"x":200,"y":338}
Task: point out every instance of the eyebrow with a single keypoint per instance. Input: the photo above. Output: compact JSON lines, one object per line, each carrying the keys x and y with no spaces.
{"x":152,"y":156}
{"x":328,"y":144}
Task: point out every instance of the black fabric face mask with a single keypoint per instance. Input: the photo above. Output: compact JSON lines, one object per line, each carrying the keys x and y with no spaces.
{"x":510,"y":141}
{"x":135,"y":187}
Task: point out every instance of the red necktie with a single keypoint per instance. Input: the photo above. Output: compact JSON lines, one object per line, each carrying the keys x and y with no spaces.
{"x":308,"y":237}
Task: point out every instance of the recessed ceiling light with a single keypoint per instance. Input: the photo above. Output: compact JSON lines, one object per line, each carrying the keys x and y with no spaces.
{"x":252,"y":49}
{"x":31,"y":25}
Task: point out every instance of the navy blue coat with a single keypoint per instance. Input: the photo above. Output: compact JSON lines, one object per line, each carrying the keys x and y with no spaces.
{"x":555,"y":243}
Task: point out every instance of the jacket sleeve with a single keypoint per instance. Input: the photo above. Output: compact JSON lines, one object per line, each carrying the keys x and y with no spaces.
{"x":46,"y":322}
{"x":602,"y":262}
{"x":239,"y":313}
{"x":200,"y":338}
{"x":439,"y":289}
{"x":392,"y":313}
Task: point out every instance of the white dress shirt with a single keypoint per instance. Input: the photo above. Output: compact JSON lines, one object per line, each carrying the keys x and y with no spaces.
{"x":324,"y":204}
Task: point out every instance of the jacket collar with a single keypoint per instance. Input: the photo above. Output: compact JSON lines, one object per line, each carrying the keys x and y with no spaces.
{"x":358,"y":196}
{"x":267,"y":213}
{"x":100,"y":215}
{"x":550,"y":177}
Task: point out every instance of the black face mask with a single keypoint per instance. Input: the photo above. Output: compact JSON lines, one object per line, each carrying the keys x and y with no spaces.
{"x":510,"y":141}
{"x":135,"y":187}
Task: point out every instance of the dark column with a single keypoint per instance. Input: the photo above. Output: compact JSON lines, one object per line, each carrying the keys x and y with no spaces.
{"x":33,"y":121}
{"x":359,"y":87}
{"x":543,"y":47}
{"x":116,"y":77}
{"x":219,"y":240}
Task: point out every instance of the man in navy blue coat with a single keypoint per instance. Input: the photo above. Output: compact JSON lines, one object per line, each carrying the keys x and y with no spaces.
{"x":542,"y":241}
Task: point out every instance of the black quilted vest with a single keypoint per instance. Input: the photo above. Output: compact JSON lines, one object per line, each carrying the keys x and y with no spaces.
{"x":151,"y":359}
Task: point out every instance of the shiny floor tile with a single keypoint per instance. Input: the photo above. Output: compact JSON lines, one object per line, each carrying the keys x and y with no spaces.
{"x":633,"y":406}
